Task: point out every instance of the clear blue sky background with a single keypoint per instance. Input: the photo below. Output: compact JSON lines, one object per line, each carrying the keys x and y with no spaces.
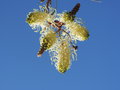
{"x":98,"y":64}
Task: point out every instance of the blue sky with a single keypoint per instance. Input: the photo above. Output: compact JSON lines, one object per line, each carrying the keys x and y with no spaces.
{"x":98,"y":64}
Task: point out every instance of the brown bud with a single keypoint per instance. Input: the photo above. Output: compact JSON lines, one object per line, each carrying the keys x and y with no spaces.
{"x":75,"y":9}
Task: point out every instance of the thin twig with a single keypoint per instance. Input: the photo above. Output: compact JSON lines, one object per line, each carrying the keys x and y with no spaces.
{"x":75,"y":47}
{"x":42,"y":0}
{"x":48,"y":3}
